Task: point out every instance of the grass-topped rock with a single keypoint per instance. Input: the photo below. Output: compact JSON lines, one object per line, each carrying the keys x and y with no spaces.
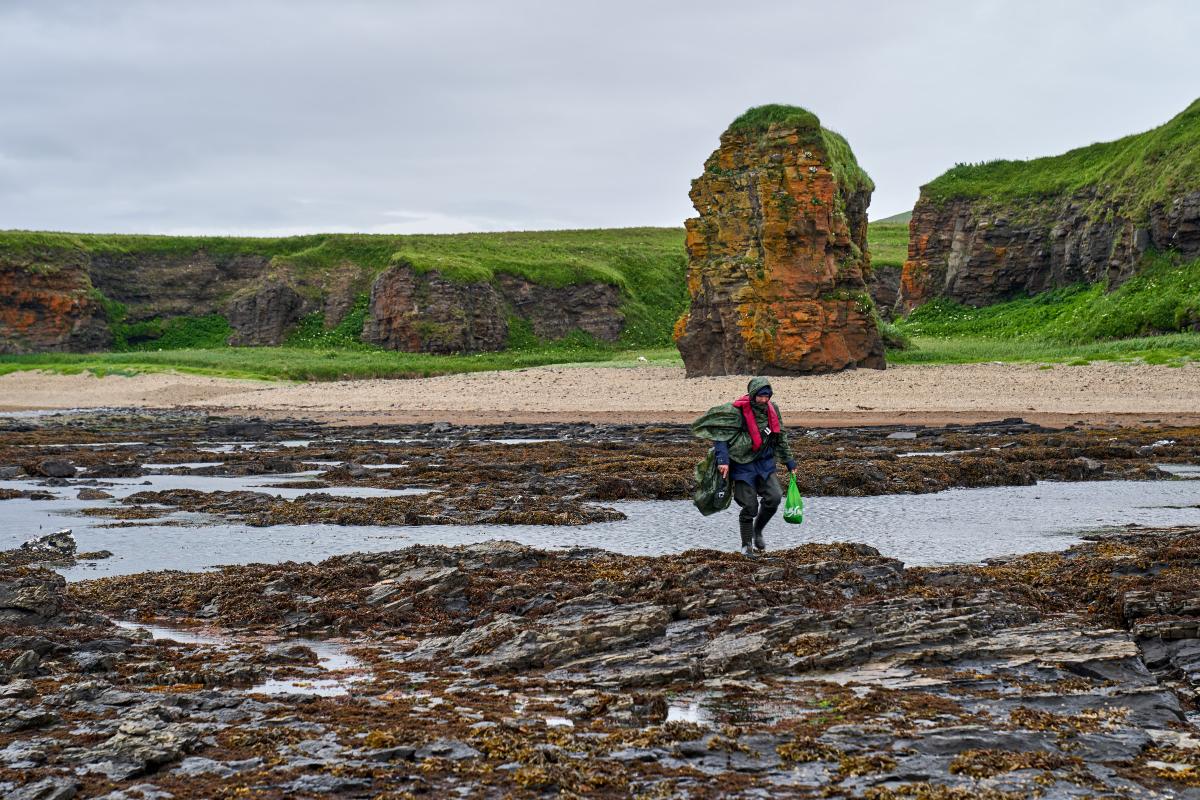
{"x":779,"y":201}
{"x":985,"y":233}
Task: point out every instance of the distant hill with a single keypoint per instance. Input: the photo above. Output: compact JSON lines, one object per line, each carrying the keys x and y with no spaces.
{"x":895,"y":219}
{"x":887,"y":239}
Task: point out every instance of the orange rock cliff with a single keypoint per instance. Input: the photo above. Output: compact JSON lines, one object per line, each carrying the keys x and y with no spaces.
{"x":777,"y":259}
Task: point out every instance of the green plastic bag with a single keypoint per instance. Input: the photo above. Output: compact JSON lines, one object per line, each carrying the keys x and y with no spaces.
{"x":793,"y":506}
{"x":713,"y":493}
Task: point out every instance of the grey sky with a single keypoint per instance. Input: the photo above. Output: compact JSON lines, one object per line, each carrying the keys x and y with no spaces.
{"x":285,"y":117}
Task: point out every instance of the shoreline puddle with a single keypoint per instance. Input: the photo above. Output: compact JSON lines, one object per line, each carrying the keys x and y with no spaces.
{"x":333,"y":658}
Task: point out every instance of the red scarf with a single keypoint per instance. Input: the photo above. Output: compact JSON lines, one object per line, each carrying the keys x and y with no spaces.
{"x":746,"y":403}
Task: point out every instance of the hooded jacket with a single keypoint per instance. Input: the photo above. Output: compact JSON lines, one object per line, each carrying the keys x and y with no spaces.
{"x":724,"y":424}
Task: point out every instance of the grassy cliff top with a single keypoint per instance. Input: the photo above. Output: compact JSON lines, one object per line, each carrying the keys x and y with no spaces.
{"x":1140,"y":170}
{"x":547,"y":257}
{"x":760,"y":118}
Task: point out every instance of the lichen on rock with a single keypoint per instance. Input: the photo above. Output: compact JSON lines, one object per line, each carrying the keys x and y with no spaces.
{"x":777,"y":258}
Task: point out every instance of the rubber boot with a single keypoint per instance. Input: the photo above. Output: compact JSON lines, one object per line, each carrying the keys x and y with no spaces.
{"x":747,"y":538}
{"x":760,"y":544}
{"x":760,"y":522}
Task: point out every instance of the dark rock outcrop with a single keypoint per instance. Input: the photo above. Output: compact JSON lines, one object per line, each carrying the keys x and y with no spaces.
{"x":155,"y":284}
{"x":553,"y":312}
{"x":342,"y":289}
{"x":884,"y":286}
{"x":264,"y":317}
{"x":30,"y":596}
{"x":426,"y":312}
{"x":777,"y":257}
{"x":984,"y":233}
{"x":977,"y":251}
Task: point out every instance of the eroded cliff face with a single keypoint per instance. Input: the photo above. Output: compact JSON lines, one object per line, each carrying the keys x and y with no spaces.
{"x":49,"y":304}
{"x":173,"y":284}
{"x":425,"y":312}
{"x":777,"y":260}
{"x":52,"y":300}
{"x":976,"y":251}
{"x":264,"y":315}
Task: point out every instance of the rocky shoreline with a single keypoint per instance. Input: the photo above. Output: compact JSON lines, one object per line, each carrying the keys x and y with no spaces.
{"x":528,"y":473}
{"x":501,"y":670}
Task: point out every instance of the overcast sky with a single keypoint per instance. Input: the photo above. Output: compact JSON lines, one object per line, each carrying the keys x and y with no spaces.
{"x":287,"y":117}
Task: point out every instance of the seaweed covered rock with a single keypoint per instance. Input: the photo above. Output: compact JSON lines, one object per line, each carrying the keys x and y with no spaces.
{"x":777,"y":259}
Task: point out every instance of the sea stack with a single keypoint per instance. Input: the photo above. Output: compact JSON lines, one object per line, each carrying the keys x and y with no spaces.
{"x":777,"y":258}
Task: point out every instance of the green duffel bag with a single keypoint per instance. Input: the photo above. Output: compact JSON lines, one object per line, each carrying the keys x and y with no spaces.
{"x":713,"y":493}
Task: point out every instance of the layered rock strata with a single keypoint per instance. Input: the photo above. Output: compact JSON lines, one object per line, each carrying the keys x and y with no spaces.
{"x":264,"y":315}
{"x":777,"y":257}
{"x":977,"y":251}
{"x":426,"y":312}
{"x":54,"y":300}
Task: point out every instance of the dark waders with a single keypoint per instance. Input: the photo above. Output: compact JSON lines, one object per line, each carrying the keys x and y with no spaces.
{"x":758,"y":502}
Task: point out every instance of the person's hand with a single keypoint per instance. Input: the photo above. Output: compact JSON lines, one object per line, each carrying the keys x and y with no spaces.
{"x":723,"y":469}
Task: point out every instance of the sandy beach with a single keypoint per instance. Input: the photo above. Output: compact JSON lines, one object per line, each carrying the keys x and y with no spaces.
{"x":1095,"y":393}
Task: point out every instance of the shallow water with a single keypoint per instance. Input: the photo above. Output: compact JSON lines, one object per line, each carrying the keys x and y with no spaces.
{"x":959,"y":525}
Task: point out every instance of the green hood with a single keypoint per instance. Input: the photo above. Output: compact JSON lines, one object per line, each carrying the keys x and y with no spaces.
{"x":755,"y":385}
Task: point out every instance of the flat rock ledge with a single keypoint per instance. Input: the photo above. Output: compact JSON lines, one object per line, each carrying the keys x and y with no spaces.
{"x":498,"y":670}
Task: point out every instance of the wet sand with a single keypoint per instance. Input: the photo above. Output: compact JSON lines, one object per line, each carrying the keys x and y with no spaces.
{"x":1098,"y":393}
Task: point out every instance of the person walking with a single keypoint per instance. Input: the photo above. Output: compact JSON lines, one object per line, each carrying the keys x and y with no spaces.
{"x":748,"y":437}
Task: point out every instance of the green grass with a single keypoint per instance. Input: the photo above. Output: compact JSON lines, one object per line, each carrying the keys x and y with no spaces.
{"x":1171,"y":349}
{"x":895,"y":219}
{"x":1153,"y":316}
{"x":175,"y":333}
{"x":1138,"y":171}
{"x":347,"y":334}
{"x":888,"y":243}
{"x":759,"y":118}
{"x":315,"y":364}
